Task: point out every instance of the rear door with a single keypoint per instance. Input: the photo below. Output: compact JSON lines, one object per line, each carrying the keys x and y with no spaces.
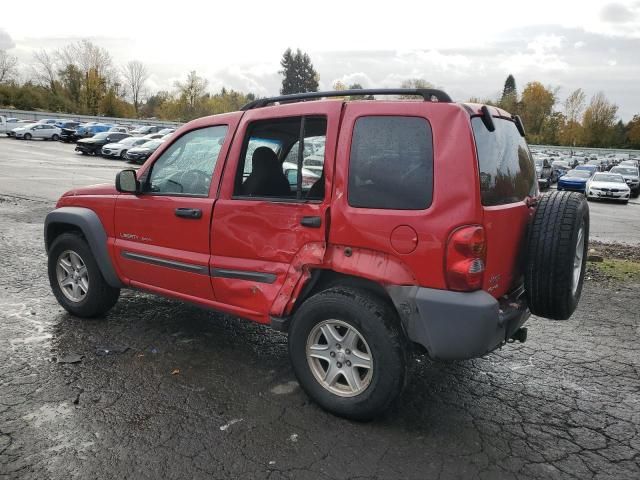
{"x":507,"y":185}
{"x":261,"y":227}
{"x":162,"y":235}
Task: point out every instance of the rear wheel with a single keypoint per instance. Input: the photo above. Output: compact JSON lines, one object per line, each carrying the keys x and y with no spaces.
{"x":76,"y":280}
{"x":348,"y":352}
{"x":556,"y":254}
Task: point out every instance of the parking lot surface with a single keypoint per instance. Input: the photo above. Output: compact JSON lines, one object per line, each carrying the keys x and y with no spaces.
{"x":161,"y":389}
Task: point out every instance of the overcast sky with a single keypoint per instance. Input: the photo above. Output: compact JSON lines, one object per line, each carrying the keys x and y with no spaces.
{"x":466,"y":48}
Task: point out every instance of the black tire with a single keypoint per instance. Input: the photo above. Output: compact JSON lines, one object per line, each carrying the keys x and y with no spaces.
{"x":378,"y":324}
{"x":551,"y":251}
{"x":122,"y":154}
{"x":55,"y":137}
{"x":100,"y":296}
{"x":27,"y":136}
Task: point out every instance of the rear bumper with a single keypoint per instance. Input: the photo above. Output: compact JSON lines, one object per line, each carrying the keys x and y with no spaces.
{"x":608,"y":195}
{"x":87,"y":149}
{"x":458,"y":325}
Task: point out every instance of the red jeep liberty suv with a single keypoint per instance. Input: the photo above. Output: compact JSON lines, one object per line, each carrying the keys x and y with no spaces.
{"x":364,"y":229}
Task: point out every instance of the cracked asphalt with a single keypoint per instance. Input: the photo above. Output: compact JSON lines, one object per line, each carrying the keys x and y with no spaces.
{"x":162,"y":389}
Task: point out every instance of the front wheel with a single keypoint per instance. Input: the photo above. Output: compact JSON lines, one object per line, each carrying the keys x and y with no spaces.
{"x":27,"y":136}
{"x":76,"y":280}
{"x":349,"y":352}
{"x":55,"y":137}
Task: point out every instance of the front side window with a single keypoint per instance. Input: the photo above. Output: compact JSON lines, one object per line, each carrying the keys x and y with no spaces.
{"x":391,"y":163}
{"x":186,"y":167}
{"x":507,"y":171}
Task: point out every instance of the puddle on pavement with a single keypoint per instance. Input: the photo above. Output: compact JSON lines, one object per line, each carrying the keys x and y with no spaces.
{"x":285,"y":388}
{"x":48,"y":414}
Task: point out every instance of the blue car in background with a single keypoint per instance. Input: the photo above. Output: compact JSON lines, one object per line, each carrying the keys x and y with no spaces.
{"x":575,"y":180}
{"x":85,"y":131}
{"x":588,"y":167}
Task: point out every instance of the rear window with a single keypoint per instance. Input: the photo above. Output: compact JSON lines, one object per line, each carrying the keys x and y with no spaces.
{"x":391,"y":164}
{"x":507,"y":171}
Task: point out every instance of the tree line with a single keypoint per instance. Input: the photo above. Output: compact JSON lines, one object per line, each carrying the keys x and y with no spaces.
{"x":573,"y":122}
{"x":81,"y":78}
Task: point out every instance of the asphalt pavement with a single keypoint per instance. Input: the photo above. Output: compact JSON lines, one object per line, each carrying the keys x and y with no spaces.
{"x":161,"y":389}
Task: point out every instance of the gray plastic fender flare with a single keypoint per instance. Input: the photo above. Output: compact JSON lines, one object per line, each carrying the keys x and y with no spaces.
{"x":91,"y":227}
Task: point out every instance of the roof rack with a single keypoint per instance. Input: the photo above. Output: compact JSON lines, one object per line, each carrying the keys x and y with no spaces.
{"x":428,"y":94}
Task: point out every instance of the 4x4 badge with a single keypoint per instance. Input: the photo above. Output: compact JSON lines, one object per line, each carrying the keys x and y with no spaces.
{"x":135,"y":238}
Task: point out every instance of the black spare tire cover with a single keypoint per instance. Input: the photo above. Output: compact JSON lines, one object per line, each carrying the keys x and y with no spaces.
{"x":557,"y":247}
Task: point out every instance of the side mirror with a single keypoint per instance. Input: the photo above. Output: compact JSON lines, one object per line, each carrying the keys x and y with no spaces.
{"x":126,"y":181}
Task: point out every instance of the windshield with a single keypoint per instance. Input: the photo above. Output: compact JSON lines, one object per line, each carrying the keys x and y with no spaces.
{"x":607,"y":177}
{"x":152,"y":144}
{"x":578,"y":174}
{"x":128,"y":141}
{"x":624,"y":171}
{"x":100,"y":136}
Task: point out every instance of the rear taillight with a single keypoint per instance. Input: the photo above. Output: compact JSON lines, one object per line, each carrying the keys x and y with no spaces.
{"x":466,"y":254}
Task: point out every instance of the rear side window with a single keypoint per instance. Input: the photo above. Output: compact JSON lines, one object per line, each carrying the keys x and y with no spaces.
{"x":391,"y":164}
{"x":507,"y":171}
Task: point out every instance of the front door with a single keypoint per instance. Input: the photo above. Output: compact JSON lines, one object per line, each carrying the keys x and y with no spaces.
{"x":162,"y":234}
{"x":272,"y":209}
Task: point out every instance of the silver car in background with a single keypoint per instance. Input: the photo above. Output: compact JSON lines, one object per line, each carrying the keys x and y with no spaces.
{"x":607,"y":186}
{"x":44,"y":131}
{"x":631,"y":176}
{"x":119,"y":149}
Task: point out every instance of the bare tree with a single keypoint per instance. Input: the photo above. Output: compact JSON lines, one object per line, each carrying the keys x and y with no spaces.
{"x":45,"y":69}
{"x":598,"y":121}
{"x":87,"y":57}
{"x":8,"y":66}
{"x":193,"y":89}
{"x":135,"y":76}
{"x":574,"y":105}
{"x":414,"y":83}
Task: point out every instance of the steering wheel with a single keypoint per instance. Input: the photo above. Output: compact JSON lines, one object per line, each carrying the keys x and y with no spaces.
{"x":195,"y":181}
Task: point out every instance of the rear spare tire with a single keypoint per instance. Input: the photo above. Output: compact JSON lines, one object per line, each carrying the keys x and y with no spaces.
{"x":557,"y":246}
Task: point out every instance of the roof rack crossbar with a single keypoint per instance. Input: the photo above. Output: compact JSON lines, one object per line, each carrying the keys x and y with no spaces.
{"x":428,"y":94}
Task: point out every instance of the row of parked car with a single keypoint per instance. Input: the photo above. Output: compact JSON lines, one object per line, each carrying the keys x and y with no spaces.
{"x":612,"y":177}
{"x":129,"y":142}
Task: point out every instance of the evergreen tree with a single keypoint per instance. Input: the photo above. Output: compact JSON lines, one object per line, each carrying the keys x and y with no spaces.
{"x":509,"y":99}
{"x":298,"y":72}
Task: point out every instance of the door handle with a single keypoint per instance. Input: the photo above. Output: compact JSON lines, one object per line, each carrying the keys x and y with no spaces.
{"x":311,"y":222}
{"x":193,"y":213}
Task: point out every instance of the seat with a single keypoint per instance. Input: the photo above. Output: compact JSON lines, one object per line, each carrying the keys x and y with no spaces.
{"x":316,"y":192}
{"x":266,"y":178}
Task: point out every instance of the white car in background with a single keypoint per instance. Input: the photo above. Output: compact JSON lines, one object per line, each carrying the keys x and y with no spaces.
{"x":8,"y":124}
{"x":119,"y":149}
{"x":608,"y":186}
{"x":44,"y":131}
